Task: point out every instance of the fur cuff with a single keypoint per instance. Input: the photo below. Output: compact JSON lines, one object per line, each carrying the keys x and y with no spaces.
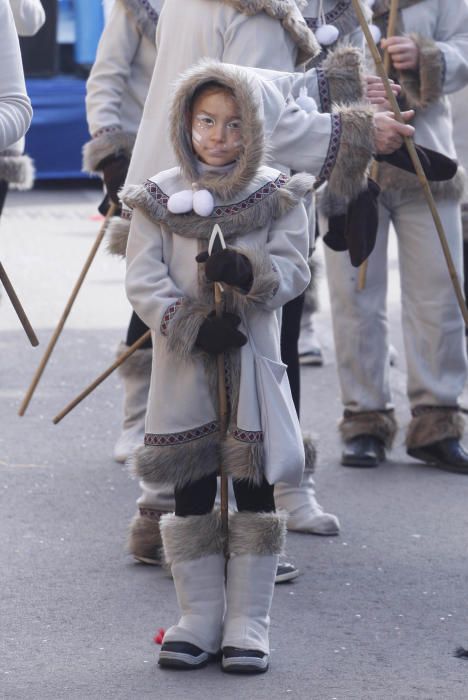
{"x":117,"y":236}
{"x":431,"y":424}
{"x":257,"y":533}
{"x":343,"y":70}
{"x":144,"y":538}
{"x":18,"y":171}
{"x":311,"y":297}
{"x":379,"y":424}
{"x":310,"y":454}
{"x":426,"y":85}
{"x":109,"y":143}
{"x":192,"y":537}
{"x":138,"y":364}
{"x":179,"y":464}
{"x":355,"y":148}
{"x":182,"y":329}
{"x":395,"y":179}
{"x":144,"y":15}
{"x":265,"y":280}
{"x":243,"y":460}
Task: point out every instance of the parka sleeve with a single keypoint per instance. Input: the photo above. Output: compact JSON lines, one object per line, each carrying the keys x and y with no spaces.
{"x":106,"y":86}
{"x":29,"y":16}
{"x":15,"y":106}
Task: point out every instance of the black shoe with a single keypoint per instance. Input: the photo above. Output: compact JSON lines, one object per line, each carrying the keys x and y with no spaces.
{"x":183,"y":655}
{"x":286,"y":572}
{"x":448,"y":454}
{"x":244,"y":660}
{"x":363,"y":451}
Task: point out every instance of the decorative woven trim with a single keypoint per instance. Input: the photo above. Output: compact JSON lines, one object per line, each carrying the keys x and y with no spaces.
{"x":106,"y":130}
{"x":171,"y":439}
{"x":126,"y":214}
{"x":169,"y":315}
{"x":333,"y":148}
{"x":151,"y":514}
{"x":249,"y":436}
{"x":330,"y":17}
{"x":324,"y":91}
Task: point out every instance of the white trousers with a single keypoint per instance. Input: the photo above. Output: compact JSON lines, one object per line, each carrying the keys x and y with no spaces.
{"x":432,"y":323}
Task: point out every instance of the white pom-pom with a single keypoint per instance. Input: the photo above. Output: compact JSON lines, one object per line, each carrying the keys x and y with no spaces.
{"x":203,"y":203}
{"x":305,"y":102}
{"x":376,"y":33}
{"x":180,"y":202}
{"x":327,"y":34}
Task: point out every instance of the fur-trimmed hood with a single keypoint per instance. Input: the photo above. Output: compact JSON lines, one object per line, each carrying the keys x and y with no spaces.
{"x":247,"y":96}
{"x":145,"y":15}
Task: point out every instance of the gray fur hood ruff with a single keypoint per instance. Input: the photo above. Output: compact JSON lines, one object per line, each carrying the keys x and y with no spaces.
{"x":145,"y":15}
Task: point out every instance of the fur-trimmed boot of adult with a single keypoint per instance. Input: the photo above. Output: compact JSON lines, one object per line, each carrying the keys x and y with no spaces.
{"x":255,"y":542}
{"x":193,"y":546}
{"x":305,"y":514}
{"x":136,"y":375}
{"x":366,"y":435}
{"x":434,"y":436}
{"x":144,"y":538}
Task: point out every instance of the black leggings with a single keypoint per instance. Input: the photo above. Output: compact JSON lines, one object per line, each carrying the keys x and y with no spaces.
{"x":198,"y":497}
{"x":135,"y":330}
{"x":3,"y":194}
{"x":290,"y":329}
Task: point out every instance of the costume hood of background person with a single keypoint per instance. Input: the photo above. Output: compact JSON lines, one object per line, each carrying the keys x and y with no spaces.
{"x":262,"y":216}
{"x":16,"y":169}
{"x":433,"y":327}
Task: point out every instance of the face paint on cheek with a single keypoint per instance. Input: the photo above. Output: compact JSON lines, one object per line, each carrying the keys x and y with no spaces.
{"x":196,"y":136}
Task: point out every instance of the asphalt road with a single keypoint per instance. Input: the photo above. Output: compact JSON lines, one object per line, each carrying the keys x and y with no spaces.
{"x":377,"y":612}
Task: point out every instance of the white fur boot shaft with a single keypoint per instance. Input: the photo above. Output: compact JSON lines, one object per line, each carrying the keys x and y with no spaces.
{"x":305,"y":514}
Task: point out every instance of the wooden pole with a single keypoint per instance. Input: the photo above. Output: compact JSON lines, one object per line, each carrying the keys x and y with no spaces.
{"x":223,"y":417}
{"x":415,"y":160}
{"x":20,"y":312}
{"x":391,"y":29}
{"x":56,"y":334}
{"x":69,"y":407}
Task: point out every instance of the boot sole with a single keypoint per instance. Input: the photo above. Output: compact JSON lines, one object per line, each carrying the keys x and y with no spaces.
{"x":244,"y":664}
{"x":421,"y":456}
{"x":369,"y":463}
{"x":184,"y":662}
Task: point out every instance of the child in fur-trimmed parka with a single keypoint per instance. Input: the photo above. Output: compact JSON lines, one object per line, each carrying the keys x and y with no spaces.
{"x":115,"y":96}
{"x":217,"y":134}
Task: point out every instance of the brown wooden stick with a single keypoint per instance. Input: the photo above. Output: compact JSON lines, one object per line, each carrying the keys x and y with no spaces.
{"x":56,"y":334}
{"x":415,"y":160}
{"x":223,"y":416}
{"x":69,"y":407}
{"x":20,"y":312}
{"x":392,"y":20}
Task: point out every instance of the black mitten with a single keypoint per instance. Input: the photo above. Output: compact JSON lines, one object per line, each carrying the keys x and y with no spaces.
{"x":219,"y":333}
{"x":362,"y":223}
{"x":436,"y":166}
{"x":227,"y":266}
{"x":335,"y":238}
{"x":114,"y":171}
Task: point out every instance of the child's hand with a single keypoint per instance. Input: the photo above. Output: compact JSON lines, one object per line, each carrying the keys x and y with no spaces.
{"x":227,"y":266}
{"x":219,"y":333}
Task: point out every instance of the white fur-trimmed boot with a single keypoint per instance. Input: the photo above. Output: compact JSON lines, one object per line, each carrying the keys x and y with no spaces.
{"x":193,"y":546}
{"x":136,"y":375}
{"x":255,"y":542}
{"x":305,"y":514}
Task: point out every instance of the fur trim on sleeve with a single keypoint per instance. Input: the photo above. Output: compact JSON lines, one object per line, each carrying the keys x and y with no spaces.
{"x":181,"y":326}
{"x":107,"y":143}
{"x":355,"y":148}
{"x":117,"y":236}
{"x":424,"y":86}
{"x":344,"y":72}
{"x":257,"y":533}
{"x":18,"y":171}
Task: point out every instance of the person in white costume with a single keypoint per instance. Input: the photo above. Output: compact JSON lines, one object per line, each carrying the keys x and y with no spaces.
{"x":429,"y":57}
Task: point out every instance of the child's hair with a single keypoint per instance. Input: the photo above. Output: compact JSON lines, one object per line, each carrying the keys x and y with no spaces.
{"x":209,"y":86}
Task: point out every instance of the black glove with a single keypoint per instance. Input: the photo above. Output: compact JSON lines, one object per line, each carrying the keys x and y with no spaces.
{"x":219,"y":333}
{"x":356,"y":231}
{"x":105,"y":205}
{"x":114,"y":171}
{"x":436,"y":166}
{"x":227,"y":266}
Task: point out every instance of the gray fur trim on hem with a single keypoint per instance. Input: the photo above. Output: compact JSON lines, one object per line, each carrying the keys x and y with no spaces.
{"x":18,"y":171}
{"x":145,"y":16}
{"x":431,"y":424}
{"x":177,"y":465}
{"x":379,"y":424}
{"x":310,"y":454}
{"x":257,"y":533}
{"x":109,"y":143}
{"x":144,"y":539}
{"x":394,"y":179}
{"x":191,"y":537}
{"x":138,"y":364}
{"x":344,"y":71}
{"x":117,"y":236}
{"x":182,"y":330}
{"x":243,"y":460}
{"x":349,"y":174}
{"x":424,"y":86}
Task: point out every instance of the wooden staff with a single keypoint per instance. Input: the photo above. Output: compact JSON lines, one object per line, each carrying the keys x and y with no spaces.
{"x":20,"y":312}
{"x":391,"y":29}
{"x":55,"y":336}
{"x":415,"y":160}
{"x":69,"y":407}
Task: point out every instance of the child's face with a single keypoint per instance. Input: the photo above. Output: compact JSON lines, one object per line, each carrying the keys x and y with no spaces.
{"x":216,"y":128}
